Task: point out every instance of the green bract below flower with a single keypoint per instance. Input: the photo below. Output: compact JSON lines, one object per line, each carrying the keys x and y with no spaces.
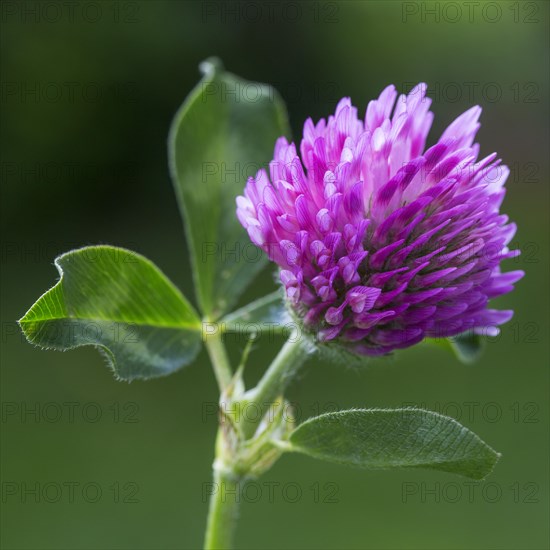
{"x":382,"y":242}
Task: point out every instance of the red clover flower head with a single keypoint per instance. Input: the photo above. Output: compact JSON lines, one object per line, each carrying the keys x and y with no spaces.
{"x":381,"y":242}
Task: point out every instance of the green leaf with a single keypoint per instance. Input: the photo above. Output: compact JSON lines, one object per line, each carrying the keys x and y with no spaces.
{"x":394,"y":438}
{"x":467,"y":347}
{"x":268,"y":313}
{"x":224,"y":132}
{"x":121,"y":302}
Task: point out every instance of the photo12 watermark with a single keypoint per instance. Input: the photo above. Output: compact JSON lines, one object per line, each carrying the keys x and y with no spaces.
{"x":271,"y":492}
{"x":472,"y":91}
{"x":491,"y":412}
{"x":268,"y":11}
{"x":52,"y":171}
{"x":453,"y":492}
{"x":70,"y":492}
{"x":68,"y":92}
{"x":69,"y":11}
{"x":470,"y":12}
{"x":70,"y":412}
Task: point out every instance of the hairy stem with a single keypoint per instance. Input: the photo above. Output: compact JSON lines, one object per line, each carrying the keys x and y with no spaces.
{"x":225,"y":491}
{"x":274,"y":381}
{"x":219,"y":359}
{"x":223,"y":511}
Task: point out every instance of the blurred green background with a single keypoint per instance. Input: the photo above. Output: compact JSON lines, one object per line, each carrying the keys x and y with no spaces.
{"x":87,"y":96}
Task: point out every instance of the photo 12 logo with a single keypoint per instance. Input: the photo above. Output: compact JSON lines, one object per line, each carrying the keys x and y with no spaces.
{"x":469,"y":492}
{"x":272,"y":491}
{"x":470,"y":12}
{"x":69,"y":412}
{"x":66,"y":11}
{"x":262,"y":11}
{"x":53,"y":492}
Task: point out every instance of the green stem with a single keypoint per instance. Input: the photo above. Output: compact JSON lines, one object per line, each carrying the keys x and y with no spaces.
{"x":226,"y":490}
{"x":219,"y":359}
{"x":223,"y":511}
{"x":291,"y":356}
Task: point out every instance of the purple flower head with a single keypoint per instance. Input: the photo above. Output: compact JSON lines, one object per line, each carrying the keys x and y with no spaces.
{"x":380,"y":241}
